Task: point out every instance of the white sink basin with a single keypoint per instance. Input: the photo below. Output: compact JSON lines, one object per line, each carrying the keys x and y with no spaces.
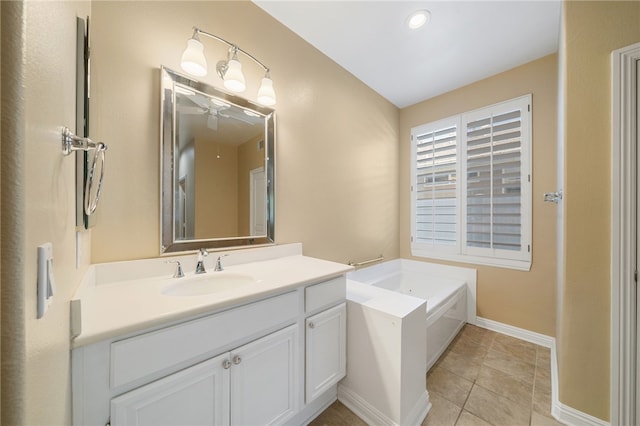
{"x":208,"y":283}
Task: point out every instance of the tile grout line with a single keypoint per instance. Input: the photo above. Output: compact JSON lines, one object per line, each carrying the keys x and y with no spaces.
{"x":533,"y":387}
{"x":490,"y":346}
{"x":473,"y":384}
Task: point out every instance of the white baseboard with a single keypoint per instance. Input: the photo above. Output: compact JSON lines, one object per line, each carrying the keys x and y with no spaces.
{"x":372,"y":416}
{"x":420,"y":410}
{"x":519,"y":333}
{"x":573,"y":417}
{"x":562,"y":412}
{"x":559,"y":411}
{"x":314,"y":408}
{"x":362,"y":408}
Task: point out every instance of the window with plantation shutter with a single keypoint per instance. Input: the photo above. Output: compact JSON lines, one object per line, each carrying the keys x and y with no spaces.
{"x":435,"y":186}
{"x":471,"y":189}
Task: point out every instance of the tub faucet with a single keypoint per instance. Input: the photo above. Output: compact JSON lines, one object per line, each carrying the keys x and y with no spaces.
{"x":219,"y":263}
{"x":202,"y":253}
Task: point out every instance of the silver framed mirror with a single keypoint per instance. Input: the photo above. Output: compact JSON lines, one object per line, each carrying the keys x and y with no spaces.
{"x":217,"y":167}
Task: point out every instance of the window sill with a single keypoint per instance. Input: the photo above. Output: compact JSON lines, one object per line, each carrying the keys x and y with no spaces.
{"x":520,"y":265}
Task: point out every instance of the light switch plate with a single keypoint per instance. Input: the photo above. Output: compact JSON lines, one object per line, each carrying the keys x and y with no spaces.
{"x":46,"y":281}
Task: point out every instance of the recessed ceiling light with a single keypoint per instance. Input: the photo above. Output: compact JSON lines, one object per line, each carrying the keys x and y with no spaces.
{"x":418,"y":19}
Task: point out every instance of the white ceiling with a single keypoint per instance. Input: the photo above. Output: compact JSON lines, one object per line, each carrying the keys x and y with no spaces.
{"x":465,"y":41}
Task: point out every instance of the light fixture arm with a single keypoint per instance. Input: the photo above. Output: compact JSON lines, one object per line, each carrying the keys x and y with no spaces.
{"x":233,"y":48}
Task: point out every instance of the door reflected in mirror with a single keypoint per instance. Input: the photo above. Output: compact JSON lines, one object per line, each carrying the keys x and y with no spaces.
{"x":217,"y":167}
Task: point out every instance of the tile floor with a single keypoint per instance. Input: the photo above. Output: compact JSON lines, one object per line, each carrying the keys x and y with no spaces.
{"x":484,"y":378}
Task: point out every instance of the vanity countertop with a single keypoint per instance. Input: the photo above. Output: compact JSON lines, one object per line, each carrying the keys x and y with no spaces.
{"x":113,"y":301}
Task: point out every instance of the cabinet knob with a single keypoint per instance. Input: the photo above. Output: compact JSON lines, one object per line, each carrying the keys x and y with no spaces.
{"x":237,"y":360}
{"x":311,"y":325}
{"x":226,"y":364}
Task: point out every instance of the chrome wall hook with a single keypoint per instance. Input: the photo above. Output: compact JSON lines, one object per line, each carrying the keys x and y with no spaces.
{"x":71,"y":143}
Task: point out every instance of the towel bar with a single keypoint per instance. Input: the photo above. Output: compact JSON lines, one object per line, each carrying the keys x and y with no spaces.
{"x":72,"y":143}
{"x":366,"y":262}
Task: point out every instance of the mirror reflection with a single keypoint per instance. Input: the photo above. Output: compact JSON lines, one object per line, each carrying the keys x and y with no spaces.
{"x":220,"y":159}
{"x":217,"y":171}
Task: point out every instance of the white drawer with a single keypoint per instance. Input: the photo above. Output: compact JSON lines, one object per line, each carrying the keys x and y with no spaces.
{"x":140,"y":356}
{"x":325,"y":294}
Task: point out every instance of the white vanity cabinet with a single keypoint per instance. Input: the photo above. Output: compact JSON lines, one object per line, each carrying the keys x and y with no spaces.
{"x":325,"y":337}
{"x":326,"y":342}
{"x":264,"y":380}
{"x":269,"y":360}
{"x":251,"y":385}
{"x":198,"y":395}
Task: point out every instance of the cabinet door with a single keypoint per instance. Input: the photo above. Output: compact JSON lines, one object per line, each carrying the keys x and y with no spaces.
{"x":326,"y":350}
{"x":263,"y":379}
{"x":198,"y":395}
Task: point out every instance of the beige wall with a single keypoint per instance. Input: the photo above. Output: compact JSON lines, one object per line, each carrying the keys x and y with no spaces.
{"x":592,"y":30}
{"x":521,"y":299}
{"x":50,"y":203}
{"x":336,"y":151}
{"x":216,"y":189}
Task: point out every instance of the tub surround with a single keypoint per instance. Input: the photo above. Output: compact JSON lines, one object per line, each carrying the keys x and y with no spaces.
{"x":450,"y":293}
{"x":123,"y":297}
{"x":402,"y":316}
{"x":386,"y":357}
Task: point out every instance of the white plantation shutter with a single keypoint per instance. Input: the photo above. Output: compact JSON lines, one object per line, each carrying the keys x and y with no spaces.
{"x":471,"y":198}
{"x":435,"y":187}
{"x":493,"y":182}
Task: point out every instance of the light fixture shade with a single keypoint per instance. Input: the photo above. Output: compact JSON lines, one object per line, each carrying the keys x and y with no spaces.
{"x":266,"y":94}
{"x":193,"y":60}
{"x":233,"y":78}
{"x":418,"y":18}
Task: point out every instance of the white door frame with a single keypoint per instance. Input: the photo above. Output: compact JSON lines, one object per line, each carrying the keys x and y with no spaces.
{"x":624,"y":187}
{"x":252,"y":205}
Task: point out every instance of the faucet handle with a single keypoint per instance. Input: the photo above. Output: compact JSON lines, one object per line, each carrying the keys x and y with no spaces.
{"x":219,"y":262}
{"x":179,"y":273}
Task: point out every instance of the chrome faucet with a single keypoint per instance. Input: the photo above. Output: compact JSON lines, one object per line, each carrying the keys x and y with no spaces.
{"x":202,"y":253}
{"x":219,"y":263}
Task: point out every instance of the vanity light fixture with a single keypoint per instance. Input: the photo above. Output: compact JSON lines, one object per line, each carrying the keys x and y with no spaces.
{"x":230,"y":70}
